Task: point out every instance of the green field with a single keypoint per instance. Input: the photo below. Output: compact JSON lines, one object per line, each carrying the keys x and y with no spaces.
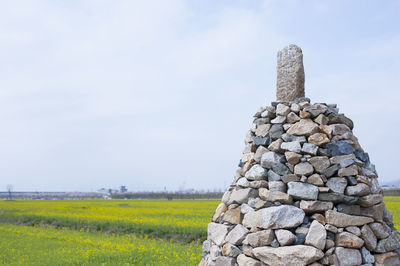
{"x":93,"y":232}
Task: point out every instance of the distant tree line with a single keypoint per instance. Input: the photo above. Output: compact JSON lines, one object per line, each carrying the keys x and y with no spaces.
{"x":165,"y":195}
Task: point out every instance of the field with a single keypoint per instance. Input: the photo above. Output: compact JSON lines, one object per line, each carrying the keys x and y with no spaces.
{"x":85,"y":232}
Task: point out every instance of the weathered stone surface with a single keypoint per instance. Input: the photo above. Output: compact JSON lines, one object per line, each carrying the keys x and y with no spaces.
{"x":375,"y":211}
{"x":331,"y":170}
{"x":387,"y":259}
{"x":369,"y":237}
{"x":371,"y":200}
{"x":299,"y":190}
{"x":215,"y":252}
{"x":290,"y":178}
{"x":292,"y":118}
{"x":270,"y":159}
{"x":272,"y":176}
{"x":339,"y":129}
{"x":299,"y":255}
{"x":263,"y":130}
{"x":275,"y":146}
{"x":339,"y":147}
{"x":220,"y":209}
{"x":316,"y":235}
{"x":351,"y":170}
{"x":390,"y":243}
{"x":289,"y":137}
{"x":243,"y":182}
{"x":232,"y":216}
{"x":284,"y":237}
{"x":239,"y":196}
{"x":348,"y":256}
{"x":259,"y":152}
{"x":277,"y":186}
{"x":280,"y":169}
{"x":243,"y":260}
{"x":381,"y":230}
{"x":303,"y":169}
{"x":358,"y":190}
{"x":310,"y":148}
{"x":349,"y":209}
{"x":230,"y":250}
{"x":367,"y":257}
{"x":282,"y":109}
{"x":257,"y":140}
{"x":276,"y":131}
{"x":276,"y":217}
{"x":293,"y":146}
{"x":320,"y":163}
{"x":257,"y":172}
{"x":348,"y":240}
{"x":337,"y":198}
{"x":354,"y":230}
{"x":245,"y":208}
{"x":237,"y":234}
{"x":318,"y":139}
{"x":290,"y":74}
{"x":273,"y":196}
{"x":321,"y":119}
{"x":305,"y":127}
{"x":292,"y":157}
{"x":217,"y":233}
{"x":316,"y":180}
{"x":225,"y":261}
{"x":258,"y":184}
{"x":343,"y":220}
{"x":315,"y":206}
{"x":260,"y":238}
{"x":279,"y":120}
{"x":338,"y":159}
{"x":337,"y":184}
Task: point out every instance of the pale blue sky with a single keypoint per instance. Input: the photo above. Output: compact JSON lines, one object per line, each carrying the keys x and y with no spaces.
{"x":160,"y":93}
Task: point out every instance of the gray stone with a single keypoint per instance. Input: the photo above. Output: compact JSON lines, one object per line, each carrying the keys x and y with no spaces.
{"x":264,"y":141}
{"x":320,"y":163}
{"x":270,"y":159}
{"x":337,"y":198}
{"x":339,"y":147}
{"x":375,"y":211}
{"x":275,"y":146}
{"x":290,"y":178}
{"x":331,"y":170}
{"x":351,"y":180}
{"x":263,"y":130}
{"x":282,"y":109}
{"x":354,"y":230}
{"x":276,"y":131}
{"x":217,"y":233}
{"x":387,"y":259}
{"x":245,"y":208}
{"x":369,"y":237}
{"x":225,"y":261}
{"x":346,"y":162}
{"x":349,"y":209}
{"x":259,"y":152}
{"x":290,"y":74}
{"x":348,"y":240}
{"x":230,"y":250}
{"x":305,"y":127}
{"x":299,"y":190}
{"x":348,"y":256}
{"x":272,"y":176}
{"x":343,"y":220}
{"x":243,"y":182}
{"x":240,"y":196}
{"x":289,"y":137}
{"x":258,"y":184}
{"x":303,"y":169}
{"x":261,"y":238}
{"x":256,"y":172}
{"x":358,"y":190}
{"x":310,"y":148}
{"x":300,"y":255}
{"x":316,"y":180}
{"x":215,"y":252}
{"x":280,"y":169}
{"x":226,"y":196}
{"x":277,"y":186}
{"x":371,"y":200}
{"x":220,"y":209}
{"x":316,"y":235}
{"x":257,"y":203}
{"x":276,"y":217}
{"x":292,"y":118}
{"x":292,"y":157}
{"x":337,"y":184}
{"x":237,"y":234}
{"x":243,"y":260}
{"x":351,"y":170}
{"x":300,"y":239}
{"x":367,"y":257}
{"x":381,"y":230}
{"x":390,"y":243}
{"x":339,"y":129}
{"x":293,"y":146}
{"x":331,"y":228}
{"x":275,"y":196}
{"x":315,"y":206}
{"x":279,"y":120}
{"x":284,"y":237}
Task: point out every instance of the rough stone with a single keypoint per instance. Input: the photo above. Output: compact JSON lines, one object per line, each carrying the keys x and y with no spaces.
{"x":270,"y":159}
{"x":225,"y":261}
{"x":316,"y":180}
{"x":390,"y":243}
{"x":257,"y":140}
{"x":280,"y":169}
{"x":279,"y":120}
{"x":293,"y":146}
{"x":348,"y":240}
{"x":245,"y":208}
{"x":257,"y":172}
{"x":339,"y":147}
{"x":237,"y":234}
{"x":282,"y":109}
{"x":358,"y":190}
{"x":284,"y":237}
{"x":232,"y":216}
{"x":310,"y":148}
{"x":259,"y":152}
{"x":318,"y":139}
{"x":367,"y":257}
{"x":260,"y":238}
{"x":349,"y":209}
{"x":258,"y":184}
{"x":263,"y":130}
{"x":275,"y":196}
{"x":243,"y":260}
{"x":290,"y":178}
{"x":220,"y":209}
{"x":239,"y":196}
{"x":316,"y":235}
{"x":217,"y":233}
{"x":290,"y":74}
{"x":299,"y":190}
{"x":331,"y":170}
{"x":320,"y":163}
{"x":346,"y":162}
{"x":351,"y":170}
{"x":272,"y":176}
{"x":348,"y":256}
{"x":276,"y":131}
{"x":276,"y":217}
{"x":321,"y":119}
{"x":337,"y":198}
{"x":369,"y":237}
{"x":337,"y":184}
{"x":292,"y":118}
{"x":381,"y":230}
{"x":303,"y":169}
{"x":339,"y":129}
{"x":292,"y":157}
{"x":387,"y":259}
{"x":315,"y":206}
{"x":277,"y":186}
{"x":371,"y":200}
{"x":300,"y":255}
{"x":305,"y":127}
{"x":243,"y":182}
{"x":289,"y":137}
{"x":375,"y":211}
{"x":230,"y":250}
{"x":275,"y":146}
{"x":343,"y":220}
{"x":354,"y":230}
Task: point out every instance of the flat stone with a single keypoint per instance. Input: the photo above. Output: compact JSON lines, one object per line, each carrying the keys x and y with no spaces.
{"x":292,"y":118}
{"x":225,"y":261}
{"x":316,"y":180}
{"x":257,"y":140}
{"x":293,"y":146}
{"x":321,"y":119}
{"x":276,"y":131}
{"x":316,"y":235}
{"x":256,"y":172}
{"x":339,"y":147}
{"x":331,"y":228}
{"x":320,"y":163}
{"x":261,"y":238}
{"x":217,"y":233}
{"x":245,"y":208}
{"x":354,"y":230}
{"x":331,"y":170}
{"x":263,"y":130}
{"x":299,"y":255}
{"x":337,"y":184}
{"x":289,"y":137}
{"x":381,"y":230}
{"x":270,"y":159}
{"x":339,"y":129}
{"x":240,"y":196}
{"x":257,"y":203}
{"x":290,"y":178}
{"x":358,"y":190}
{"x":220,"y":209}
{"x":390,"y":243}
{"x":243,"y":260}
{"x":346,"y":162}
{"x":259,"y":152}
{"x":275,"y":196}
{"x":277,"y":186}
{"x":233,"y":216}
{"x":275,"y":146}
{"x":343,"y":220}
{"x":299,"y":190}
{"x":305,"y":169}
{"x":351,"y":170}
{"x":367,"y":257}
{"x":237,"y":234}
{"x":315,"y":206}
{"x":230,"y":250}
{"x":282,"y":109}
{"x":318,"y":139}
{"x":371,"y":200}
{"x":279,"y":120}
{"x":272,"y":176}
{"x":292,"y":157}
{"x":348,"y":240}
{"x":280,"y":169}
{"x":337,"y":198}
{"x":349,"y":209}
{"x":290,"y":74}
{"x":258,"y":184}
{"x":348,"y":256}
{"x":310,"y":148}
{"x":305,"y":127}
{"x":387,"y":259}
{"x":376,"y":211}
{"x":369,"y":237}
{"x":276,"y":217}
{"x":284,"y":237}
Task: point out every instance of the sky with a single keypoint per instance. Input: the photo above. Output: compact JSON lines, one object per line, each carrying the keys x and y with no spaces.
{"x":160,"y":94}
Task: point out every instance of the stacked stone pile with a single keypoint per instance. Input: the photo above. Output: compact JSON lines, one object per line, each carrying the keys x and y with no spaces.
{"x":305,"y":193}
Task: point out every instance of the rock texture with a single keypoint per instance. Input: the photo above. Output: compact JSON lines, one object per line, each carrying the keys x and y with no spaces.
{"x":305,"y":192}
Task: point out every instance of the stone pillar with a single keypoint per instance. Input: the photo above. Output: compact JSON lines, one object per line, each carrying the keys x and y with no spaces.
{"x":290,"y":70}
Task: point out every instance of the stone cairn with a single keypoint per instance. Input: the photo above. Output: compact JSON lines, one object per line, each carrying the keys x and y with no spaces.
{"x":305,"y":192}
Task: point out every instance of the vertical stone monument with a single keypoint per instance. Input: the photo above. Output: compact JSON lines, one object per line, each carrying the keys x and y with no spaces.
{"x":305,"y":192}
